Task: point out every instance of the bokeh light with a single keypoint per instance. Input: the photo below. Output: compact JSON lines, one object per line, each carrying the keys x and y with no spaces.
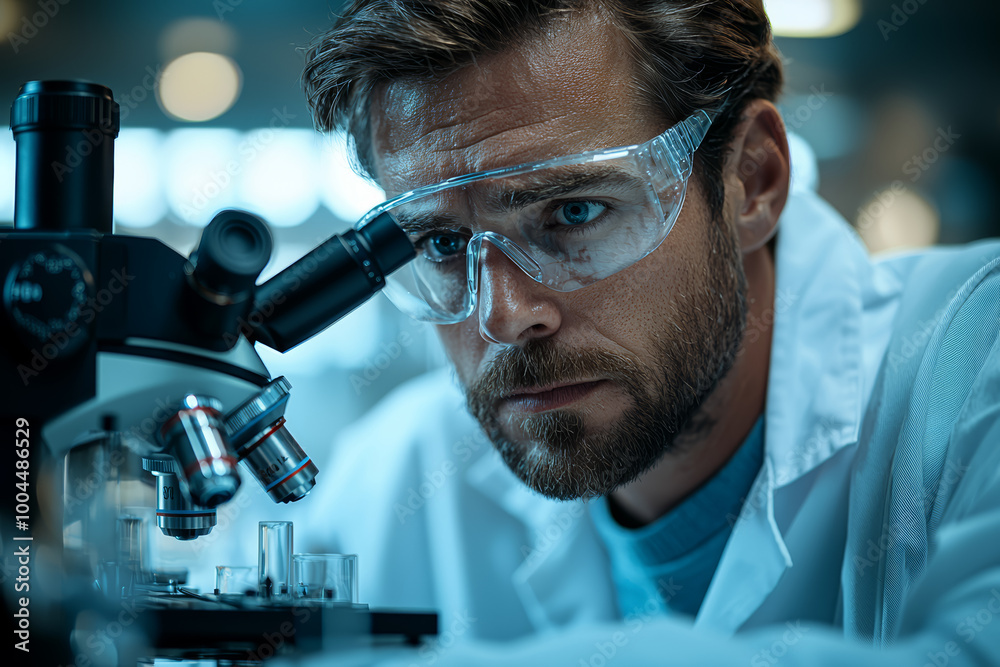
{"x":812,"y":18}
{"x":279,"y":180}
{"x":139,"y":201}
{"x":7,"y":162}
{"x":898,"y":218}
{"x":194,"y":34}
{"x":10,"y":15}
{"x":347,"y":195}
{"x":200,"y":167}
{"x":199,"y":86}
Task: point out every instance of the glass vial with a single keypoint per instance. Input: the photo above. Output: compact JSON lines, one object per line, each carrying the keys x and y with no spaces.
{"x":274,"y":562}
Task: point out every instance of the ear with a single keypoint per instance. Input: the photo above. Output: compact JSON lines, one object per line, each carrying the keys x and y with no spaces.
{"x":757,"y":173}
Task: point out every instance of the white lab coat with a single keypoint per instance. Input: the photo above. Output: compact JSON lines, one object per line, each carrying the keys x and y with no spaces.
{"x":871,"y":532}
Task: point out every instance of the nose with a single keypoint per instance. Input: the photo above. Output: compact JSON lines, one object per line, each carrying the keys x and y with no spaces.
{"x":512,"y":307}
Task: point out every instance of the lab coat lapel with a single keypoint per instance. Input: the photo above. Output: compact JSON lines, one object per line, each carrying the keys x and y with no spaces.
{"x":815,"y":392}
{"x":564,"y":577}
{"x":813,"y":404}
{"x":752,"y":563}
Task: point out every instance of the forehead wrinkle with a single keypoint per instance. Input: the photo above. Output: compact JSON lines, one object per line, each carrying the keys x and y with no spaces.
{"x":437,"y":116}
{"x":471,"y":95}
{"x":477,"y":140}
{"x":492,"y":149}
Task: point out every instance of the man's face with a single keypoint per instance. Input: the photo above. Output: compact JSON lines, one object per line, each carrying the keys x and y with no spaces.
{"x":580,"y":391}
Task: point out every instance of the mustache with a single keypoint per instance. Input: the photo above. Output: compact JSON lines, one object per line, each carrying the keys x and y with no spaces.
{"x":540,"y":363}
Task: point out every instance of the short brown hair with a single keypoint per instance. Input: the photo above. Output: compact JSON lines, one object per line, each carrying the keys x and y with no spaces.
{"x":688,"y":54}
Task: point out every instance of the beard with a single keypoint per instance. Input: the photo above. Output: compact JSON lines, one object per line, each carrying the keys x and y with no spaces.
{"x":563,"y":459}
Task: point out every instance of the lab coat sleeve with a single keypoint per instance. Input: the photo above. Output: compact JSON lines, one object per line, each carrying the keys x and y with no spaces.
{"x":955,"y":621}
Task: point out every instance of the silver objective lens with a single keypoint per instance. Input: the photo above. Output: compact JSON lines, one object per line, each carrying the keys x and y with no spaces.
{"x":258,"y":435}
{"x":196,"y":437}
{"x":176,"y":515}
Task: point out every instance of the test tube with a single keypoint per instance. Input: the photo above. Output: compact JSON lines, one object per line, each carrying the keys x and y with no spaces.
{"x":131,"y":553}
{"x":274,"y":569}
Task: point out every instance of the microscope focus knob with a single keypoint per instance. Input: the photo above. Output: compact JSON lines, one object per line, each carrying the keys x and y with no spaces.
{"x":49,"y":298}
{"x":161,"y":465}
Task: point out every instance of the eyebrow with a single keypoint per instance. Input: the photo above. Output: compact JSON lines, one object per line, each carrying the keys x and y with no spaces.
{"x":611,"y":181}
{"x":509,"y":199}
{"x":414,"y":223}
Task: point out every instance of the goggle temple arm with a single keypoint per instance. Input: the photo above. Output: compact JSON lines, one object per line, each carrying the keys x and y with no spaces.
{"x":674,"y":150}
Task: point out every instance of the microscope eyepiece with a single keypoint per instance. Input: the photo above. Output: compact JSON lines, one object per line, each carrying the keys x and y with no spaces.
{"x":65,"y":132}
{"x":234,"y":248}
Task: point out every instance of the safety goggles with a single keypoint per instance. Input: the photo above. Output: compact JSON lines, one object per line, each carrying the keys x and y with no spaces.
{"x":566,"y":222}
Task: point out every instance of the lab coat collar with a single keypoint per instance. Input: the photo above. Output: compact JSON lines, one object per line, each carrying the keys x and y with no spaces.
{"x":813,"y":410}
{"x":814,"y":396}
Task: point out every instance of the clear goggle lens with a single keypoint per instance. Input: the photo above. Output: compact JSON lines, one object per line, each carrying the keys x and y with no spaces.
{"x":566,"y":223}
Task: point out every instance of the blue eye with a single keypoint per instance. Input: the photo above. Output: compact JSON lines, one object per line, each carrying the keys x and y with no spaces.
{"x":442,"y":247}
{"x":576,"y":213}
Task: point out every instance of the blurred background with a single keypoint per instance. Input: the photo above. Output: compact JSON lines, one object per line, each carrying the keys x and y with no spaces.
{"x":897,"y":99}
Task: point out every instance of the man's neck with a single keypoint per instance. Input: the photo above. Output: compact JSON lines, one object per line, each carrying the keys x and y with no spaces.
{"x":731,"y":411}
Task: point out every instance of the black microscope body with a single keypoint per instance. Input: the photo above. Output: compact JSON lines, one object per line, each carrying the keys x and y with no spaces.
{"x":118,"y":357}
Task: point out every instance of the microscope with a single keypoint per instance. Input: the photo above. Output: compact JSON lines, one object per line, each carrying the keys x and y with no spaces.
{"x":127,"y":365}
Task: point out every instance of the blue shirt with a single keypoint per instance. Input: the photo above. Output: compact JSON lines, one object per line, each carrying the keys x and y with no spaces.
{"x":670,"y":562}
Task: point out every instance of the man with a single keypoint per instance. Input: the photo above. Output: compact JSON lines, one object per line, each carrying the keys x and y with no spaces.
{"x":778,"y":438}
